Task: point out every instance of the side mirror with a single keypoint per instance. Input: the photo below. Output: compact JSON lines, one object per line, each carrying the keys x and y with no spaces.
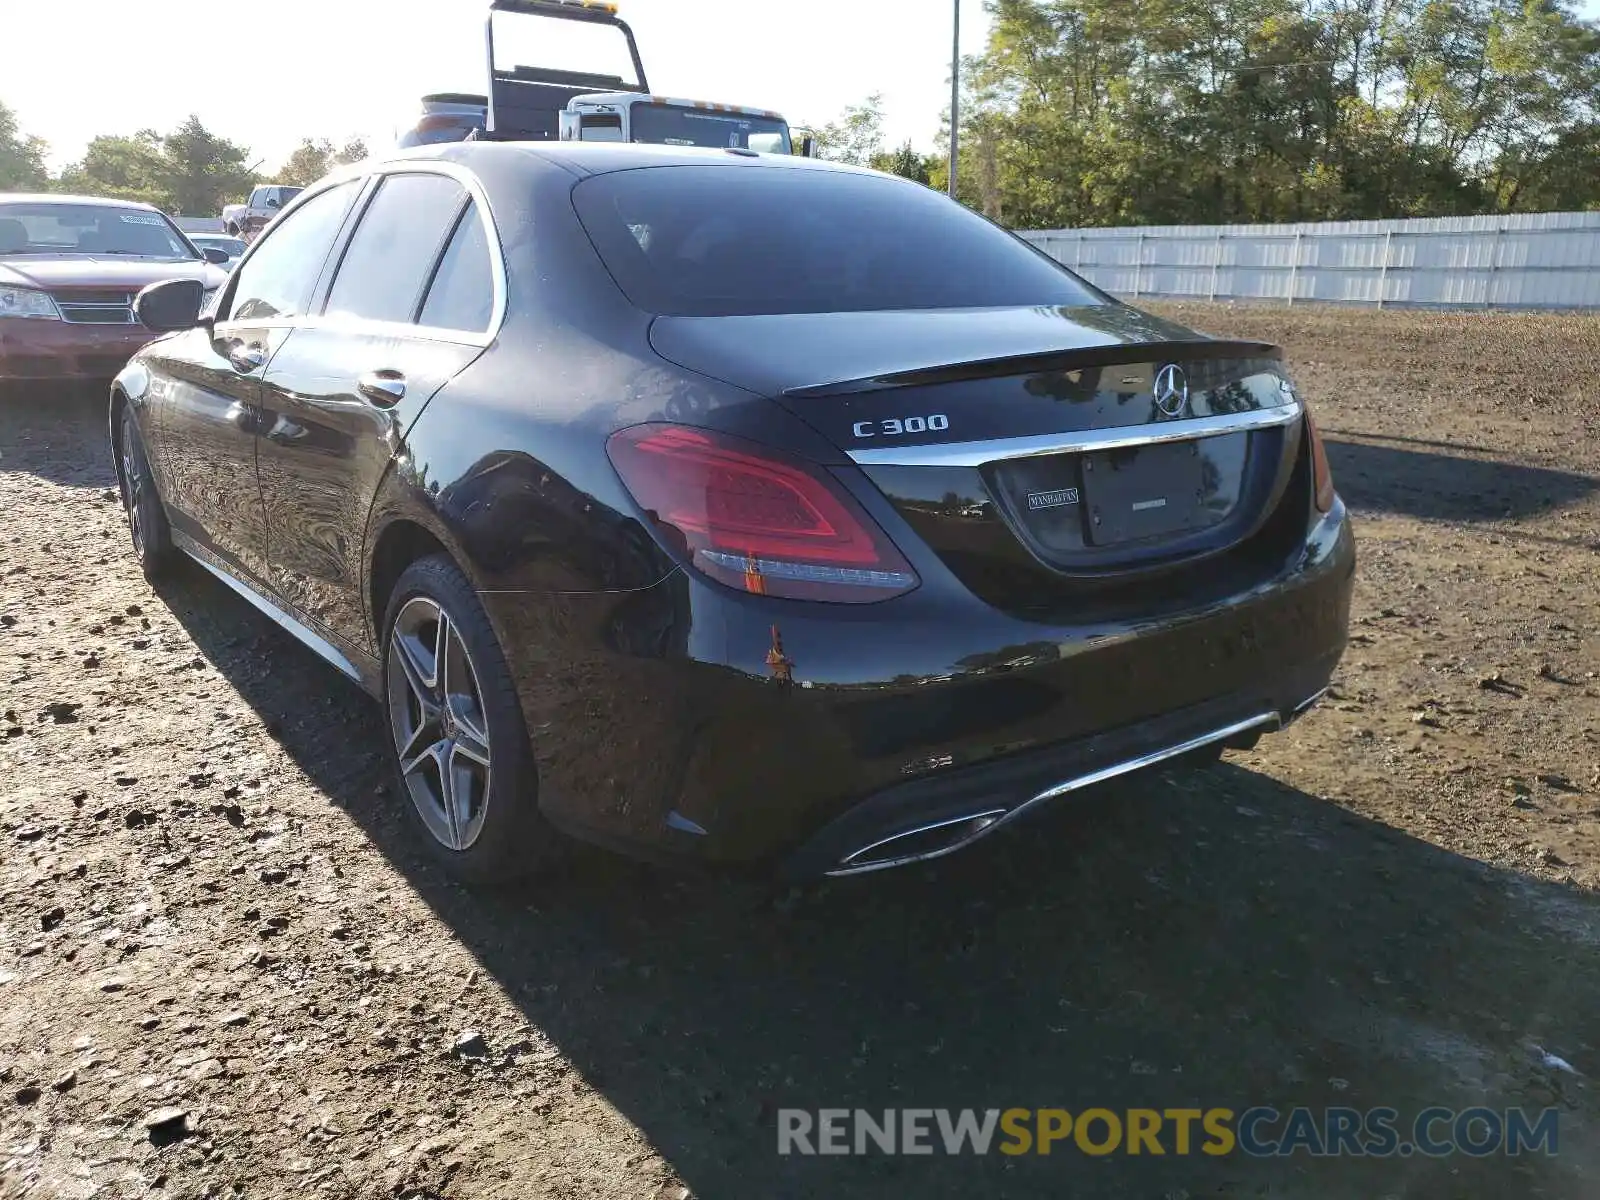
{"x":170,"y":305}
{"x":213,"y":255}
{"x":272,"y":202}
{"x":808,"y":147}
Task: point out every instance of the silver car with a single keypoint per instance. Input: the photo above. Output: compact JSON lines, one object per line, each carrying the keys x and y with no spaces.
{"x":233,"y":247}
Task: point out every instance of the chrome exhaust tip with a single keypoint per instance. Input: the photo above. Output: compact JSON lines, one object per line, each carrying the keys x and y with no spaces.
{"x":923,"y":843}
{"x":918,"y":844}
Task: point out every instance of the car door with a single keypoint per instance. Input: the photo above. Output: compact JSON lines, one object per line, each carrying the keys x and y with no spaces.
{"x":212,"y":406}
{"x":409,"y":305}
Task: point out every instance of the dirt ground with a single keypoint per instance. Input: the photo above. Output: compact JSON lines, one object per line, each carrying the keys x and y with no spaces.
{"x":208,"y":904}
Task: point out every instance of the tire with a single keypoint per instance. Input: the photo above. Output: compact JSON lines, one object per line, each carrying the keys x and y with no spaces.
{"x":232,"y":229}
{"x":141,"y":502}
{"x":485,"y":828}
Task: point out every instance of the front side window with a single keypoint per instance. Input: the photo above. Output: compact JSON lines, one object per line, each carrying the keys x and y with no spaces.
{"x":394,"y":248}
{"x":277,"y":280}
{"x":752,"y":239}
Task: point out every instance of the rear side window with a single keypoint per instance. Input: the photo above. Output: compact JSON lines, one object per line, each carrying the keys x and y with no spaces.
{"x":462,"y":293}
{"x":747,"y":239}
{"x":392,"y":252}
{"x":278,"y":279}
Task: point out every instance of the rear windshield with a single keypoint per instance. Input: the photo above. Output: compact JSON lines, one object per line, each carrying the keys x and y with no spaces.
{"x":725,"y":241}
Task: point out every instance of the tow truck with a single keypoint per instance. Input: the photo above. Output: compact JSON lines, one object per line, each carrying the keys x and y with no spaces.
{"x":547,"y":103}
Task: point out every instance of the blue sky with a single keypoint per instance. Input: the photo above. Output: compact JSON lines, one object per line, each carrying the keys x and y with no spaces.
{"x":287,"y":69}
{"x":329,"y":68}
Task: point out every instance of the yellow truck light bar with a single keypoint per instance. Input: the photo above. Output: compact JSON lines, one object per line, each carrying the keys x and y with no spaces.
{"x":533,"y":6}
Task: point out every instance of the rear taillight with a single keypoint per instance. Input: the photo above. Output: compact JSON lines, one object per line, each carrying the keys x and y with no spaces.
{"x":755,"y":519}
{"x":1321,"y":476}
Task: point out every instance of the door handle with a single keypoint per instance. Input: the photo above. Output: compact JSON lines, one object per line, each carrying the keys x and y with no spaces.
{"x":383,"y":388}
{"x":246,"y":358}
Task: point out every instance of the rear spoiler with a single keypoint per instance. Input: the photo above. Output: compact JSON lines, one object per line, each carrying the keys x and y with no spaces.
{"x":1082,"y":358}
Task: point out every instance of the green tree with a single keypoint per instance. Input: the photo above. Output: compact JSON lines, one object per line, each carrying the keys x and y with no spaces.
{"x":128,"y":168}
{"x":201,"y":171}
{"x":856,"y":136}
{"x":312,"y":159}
{"x":22,"y":161}
{"x":905,"y":161}
{"x":1097,"y":112}
{"x":188,"y":172}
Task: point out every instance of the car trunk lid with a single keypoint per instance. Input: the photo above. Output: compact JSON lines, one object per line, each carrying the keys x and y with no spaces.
{"x":1044,"y":453}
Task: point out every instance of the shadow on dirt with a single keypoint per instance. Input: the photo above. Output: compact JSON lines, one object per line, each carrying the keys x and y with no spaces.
{"x":1447,"y":487}
{"x":57,"y":434}
{"x":1203,"y":940}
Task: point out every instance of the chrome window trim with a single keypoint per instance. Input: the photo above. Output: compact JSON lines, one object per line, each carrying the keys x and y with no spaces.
{"x":976,"y":454}
{"x":497,"y":263}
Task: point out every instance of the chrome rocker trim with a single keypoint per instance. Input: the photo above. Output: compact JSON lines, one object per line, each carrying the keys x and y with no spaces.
{"x":850,"y":864}
{"x":976,"y":454}
{"x":291,"y":625}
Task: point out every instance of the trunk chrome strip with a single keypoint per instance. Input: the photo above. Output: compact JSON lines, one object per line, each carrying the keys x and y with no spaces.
{"x":976,"y":454}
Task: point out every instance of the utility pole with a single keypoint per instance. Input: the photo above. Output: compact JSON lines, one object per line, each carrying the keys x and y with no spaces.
{"x":955,"y":93}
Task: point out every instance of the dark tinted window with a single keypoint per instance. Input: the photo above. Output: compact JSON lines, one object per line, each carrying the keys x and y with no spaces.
{"x":462,"y":293}
{"x":723,"y":240}
{"x":442,"y":127}
{"x":278,"y":279}
{"x":674,"y":125}
{"x":393,"y":249}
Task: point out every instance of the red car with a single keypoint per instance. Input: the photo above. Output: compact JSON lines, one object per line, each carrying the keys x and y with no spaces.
{"x":70,"y":267}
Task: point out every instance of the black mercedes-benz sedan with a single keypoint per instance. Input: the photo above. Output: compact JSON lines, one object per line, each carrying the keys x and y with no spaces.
{"x":734,"y":508}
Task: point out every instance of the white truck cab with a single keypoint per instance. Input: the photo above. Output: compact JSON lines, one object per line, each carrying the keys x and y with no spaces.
{"x":669,"y":121}
{"x":545,"y":86}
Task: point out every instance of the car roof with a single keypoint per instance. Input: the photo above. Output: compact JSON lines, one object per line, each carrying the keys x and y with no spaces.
{"x":58,"y":198}
{"x":598,"y":158}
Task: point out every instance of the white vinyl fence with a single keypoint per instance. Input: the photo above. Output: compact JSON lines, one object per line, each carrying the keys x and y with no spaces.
{"x":1538,"y":260}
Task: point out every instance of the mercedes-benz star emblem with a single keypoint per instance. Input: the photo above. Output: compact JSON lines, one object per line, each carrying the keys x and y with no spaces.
{"x":1172,"y":390}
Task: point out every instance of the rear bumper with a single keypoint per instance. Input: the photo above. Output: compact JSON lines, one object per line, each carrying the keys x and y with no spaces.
{"x":62,"y":351}
{"x":930,"y":818}
{"x":687,"y":721}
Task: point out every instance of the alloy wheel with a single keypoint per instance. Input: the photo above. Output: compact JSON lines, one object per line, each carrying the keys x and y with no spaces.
{"x":133,"y":491}
{"x":437,"y":720}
